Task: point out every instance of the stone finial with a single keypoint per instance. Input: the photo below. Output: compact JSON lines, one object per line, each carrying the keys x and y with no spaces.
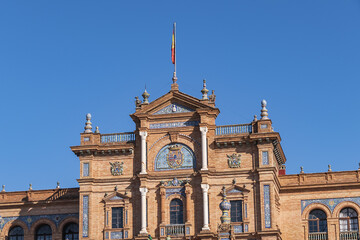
{"x":3,"y":188}
{"x":57,"y":184}
{"x":204,"y":91}
{"x":116,"y":188}
{"x":30,"y":186}
{"x":137,"y":102}
{"x":264,"y":111}
{"x":88,"y":126}
{"x":146,"y":96}
{"x":329,"y":168}
{"x":301,"y":169}
{"x":234,"y":181}
{"x":97,"y":130}
{"x":255,"y":118}
{"x":212,"y":97}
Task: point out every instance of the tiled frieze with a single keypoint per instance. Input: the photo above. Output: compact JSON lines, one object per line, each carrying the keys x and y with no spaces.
{"x":29,"y":220}
{"x":173,"y":124}
{"x":171,"y":191}
{"x":329,"y":202}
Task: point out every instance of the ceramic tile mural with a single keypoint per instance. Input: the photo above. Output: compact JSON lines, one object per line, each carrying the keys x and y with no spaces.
{"x":267,"y":211}
{"x":173,"y":124}
{"x":85,"y":220}
{"x":173,"y":157}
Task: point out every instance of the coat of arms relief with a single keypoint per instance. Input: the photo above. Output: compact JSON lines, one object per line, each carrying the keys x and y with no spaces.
{"x":116,"y":168}
{"x":234,"y":160}
{"x":175,"y":157}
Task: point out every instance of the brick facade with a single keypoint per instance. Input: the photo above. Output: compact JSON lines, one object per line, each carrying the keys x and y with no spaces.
{"x":243,"y":163}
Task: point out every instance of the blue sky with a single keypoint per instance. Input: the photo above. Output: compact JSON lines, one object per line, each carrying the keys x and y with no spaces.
{"x":62,"y":59}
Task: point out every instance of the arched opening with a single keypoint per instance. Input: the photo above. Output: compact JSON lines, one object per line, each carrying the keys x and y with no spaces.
{"x":71,"y":231}
{"x":16,"y":233}
{"x":317,"y":225}
{"x":348,"y":219}
{"x":176,"y":211}
{"x":43,"y":232}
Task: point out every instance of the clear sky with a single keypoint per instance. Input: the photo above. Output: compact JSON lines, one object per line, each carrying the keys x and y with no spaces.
{"x":62,"y":59}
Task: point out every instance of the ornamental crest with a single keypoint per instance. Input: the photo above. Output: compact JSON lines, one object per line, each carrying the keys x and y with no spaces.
{"x":234,"y":160}
{"x":116,"y":168}
{"x":175,"y":158}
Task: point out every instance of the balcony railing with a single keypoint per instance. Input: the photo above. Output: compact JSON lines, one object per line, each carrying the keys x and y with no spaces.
{"x":118,"y":137}
{"x":175,"y":229}
{"x":351,"y":235}
{"x":318,"y":236}
{"x":233,"y":129}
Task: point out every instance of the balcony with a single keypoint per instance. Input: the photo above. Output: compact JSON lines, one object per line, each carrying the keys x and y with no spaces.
{"x":233,"y":129}
{"x":175,"y":230}
{"x":351,"y":235}
{"x":318,"y":236}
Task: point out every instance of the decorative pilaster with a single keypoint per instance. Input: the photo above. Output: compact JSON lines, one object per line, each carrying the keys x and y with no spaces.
{"x":143,"y":136}
{"x":143,"y":191}
{"x":188,"y":201}
{"x":162,"y":197}
{"x":205,"y":188}
{"x":203,"y":131}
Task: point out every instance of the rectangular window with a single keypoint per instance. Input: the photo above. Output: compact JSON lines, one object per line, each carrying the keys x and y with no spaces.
{"x":265,"y":158}
{"x":85,"y":170}
{"x":236,"y":211}
{"x":117,"y":217}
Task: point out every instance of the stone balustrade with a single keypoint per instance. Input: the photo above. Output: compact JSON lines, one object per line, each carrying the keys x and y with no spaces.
{"x":351,"y":235}
{"x":318,"y":236}
{"x":233,"y":129}
{"x":117,"y":137}
{"x":175,"y":230}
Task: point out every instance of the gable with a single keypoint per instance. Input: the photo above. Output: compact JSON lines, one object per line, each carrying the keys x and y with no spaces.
{"x":173,"y":108}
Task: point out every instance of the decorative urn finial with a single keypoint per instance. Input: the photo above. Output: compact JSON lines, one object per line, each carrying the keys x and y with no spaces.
{"x":58,"y":184}
{"x":146,"y":96}
{"x":225,"y":207}
{"x":97,"y":130}
{"x":329,"y":168}
{"x":212,"y":97}
{"x":204,"y":91}
{"x":301,"y":169}
{"x":137,"y":102}
{"x":3,"y":188}
{"x":88,"y":126}
{"x":30,"y":186}
{"x":264,"y":111}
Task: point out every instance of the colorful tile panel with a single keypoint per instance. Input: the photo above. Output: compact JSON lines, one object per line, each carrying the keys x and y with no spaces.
{"x":267,"y":210}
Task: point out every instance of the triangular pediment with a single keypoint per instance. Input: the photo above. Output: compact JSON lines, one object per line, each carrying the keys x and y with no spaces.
{"x":236,"y":190}
{"x":116,"y":196}
{"x":173,"y":103}
{"x":174,"y":108}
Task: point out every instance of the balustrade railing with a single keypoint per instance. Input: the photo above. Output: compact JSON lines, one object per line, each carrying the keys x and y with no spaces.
{"x":233,"y":129}
{"x":318,"y":236}
{"x":351,"y":235}
{"x":118,"y":137}
{"x":175,"y":229}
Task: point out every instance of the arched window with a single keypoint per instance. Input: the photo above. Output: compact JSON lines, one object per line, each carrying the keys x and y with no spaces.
{"x":176,"y":212}
{"x":16,"y":233}
{"x":348,"y":220}
{"x":71,"y":231}
{"x":43,"y":232}
{"x":317,"y":221}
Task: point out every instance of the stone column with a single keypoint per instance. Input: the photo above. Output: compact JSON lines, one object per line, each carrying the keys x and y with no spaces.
{"x":143,"y":136}
{"x":143,"y":191}
{"x":203,"y":131}
{"x":205,"y":188}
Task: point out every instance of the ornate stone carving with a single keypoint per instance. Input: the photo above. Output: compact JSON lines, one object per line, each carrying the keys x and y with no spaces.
{"x":234,"y":160}
{"x":175,"y":182}
{"x":116,"y":168}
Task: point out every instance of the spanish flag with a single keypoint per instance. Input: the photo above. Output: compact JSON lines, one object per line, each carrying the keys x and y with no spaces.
{"x":173,"y":46}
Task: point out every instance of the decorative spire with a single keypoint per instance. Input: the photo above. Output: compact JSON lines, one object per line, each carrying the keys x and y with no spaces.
{"x":204,"y":91}
{"x":30,"y":187}
{"x":88,"y":126}
{"x":3,"y":188}
{"x":58,"y":184}
{"x":97,"y":130}
{"x":329,"y":168}
{"x":146,"y":96}
{"x":264,"y":111}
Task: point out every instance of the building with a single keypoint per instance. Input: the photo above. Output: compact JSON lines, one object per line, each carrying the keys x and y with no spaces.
{"x":179,"y":175}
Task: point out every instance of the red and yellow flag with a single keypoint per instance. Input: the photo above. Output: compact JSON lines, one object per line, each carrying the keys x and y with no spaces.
{"x":173,"y":46}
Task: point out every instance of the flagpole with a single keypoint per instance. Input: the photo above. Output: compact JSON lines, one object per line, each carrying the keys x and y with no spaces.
{"x":175,"y":48}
